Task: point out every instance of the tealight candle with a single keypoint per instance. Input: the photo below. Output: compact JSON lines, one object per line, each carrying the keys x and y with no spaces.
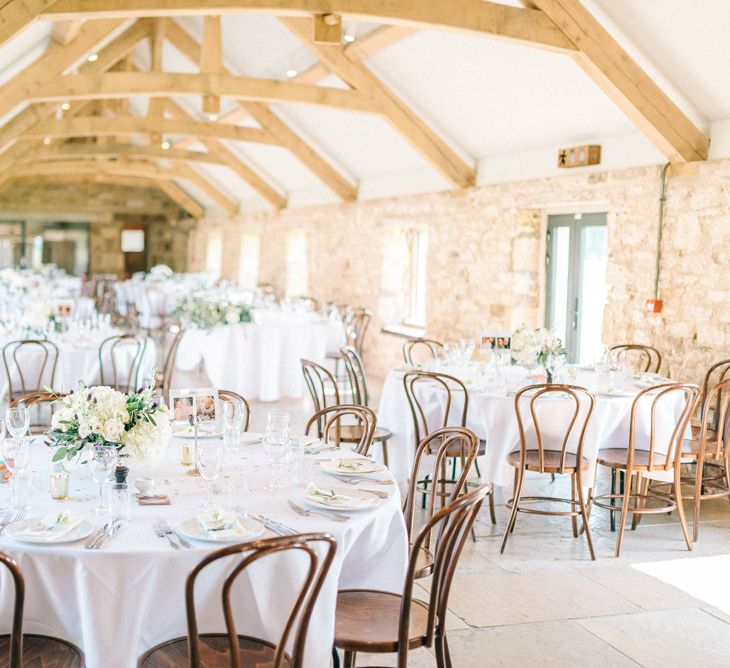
{"x":59,"y":485}
{"x":186,"y":454}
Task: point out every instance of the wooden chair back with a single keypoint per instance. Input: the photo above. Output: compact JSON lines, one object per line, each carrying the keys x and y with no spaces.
{"x":642,"y":358}
{"x":715,"y":375}
{"x":689,"y":394}
{"x":330,"y":419}
{"x":355,"y":369}
{"x":450,"y":384}
{"x":48,"y":358}
{"x":108,"y":351}
{"x":448,"y":442}
{"x":530,"y":423}
{"x":321,"y":384}
{"x":16,"y":634}
{"x":169,"y":367}
{"x":356,"y":322}
{"x":715,"y":428}
{"x":229,"y":395}
{"x":415,"y":349}
{"x":297,"y":622}
{"x":452,"y":525}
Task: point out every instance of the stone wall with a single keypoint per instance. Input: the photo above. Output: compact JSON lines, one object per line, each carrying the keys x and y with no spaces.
{"x":486,"y":250}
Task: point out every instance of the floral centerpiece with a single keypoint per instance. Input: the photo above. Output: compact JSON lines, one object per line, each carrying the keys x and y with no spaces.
{"x":206,"y":312}
{"x":531,"y":347}
{"x":161,"y":271}
{"x":134,"y":423}
{"x":39,"y":316}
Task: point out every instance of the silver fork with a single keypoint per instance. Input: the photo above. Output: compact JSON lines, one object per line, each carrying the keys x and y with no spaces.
{"x":356,"y":481}
{"x":157,"y":528}
{"x":96,"y":537}
{"x":168,"y":530}
{"x":380,"y":495}
{"x":323,"y":513}
{"x":5,"y":520}
{"x":20,"y":515}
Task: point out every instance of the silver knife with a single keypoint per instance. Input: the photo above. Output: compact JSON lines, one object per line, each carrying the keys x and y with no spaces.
{"x":95,"y":537}
{"x":108,"y":535}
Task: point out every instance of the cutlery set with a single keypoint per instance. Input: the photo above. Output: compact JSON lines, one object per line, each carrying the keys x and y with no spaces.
{"x":102,"y":536}
{"x":163,"y":530}
{"x":11,"y":518}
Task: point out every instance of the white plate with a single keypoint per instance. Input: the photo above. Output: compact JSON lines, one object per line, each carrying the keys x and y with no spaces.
{"x":331,"y":466}
{"x":361,"y":500}
{"x":188,"y":432}
{"x":77,"y":533}
{"x":191,"y":528}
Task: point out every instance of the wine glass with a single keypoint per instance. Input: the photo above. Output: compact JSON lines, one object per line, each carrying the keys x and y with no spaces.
{"x":102,"y":462}
{"x":276,"y":441}
{"x":17,"y":421}
{"x":16,"y":453}
{"x":232,"y":422}
{"x":209,"y":461}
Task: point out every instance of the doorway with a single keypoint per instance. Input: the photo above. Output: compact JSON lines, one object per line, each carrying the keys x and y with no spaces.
{"x":577,"y":250}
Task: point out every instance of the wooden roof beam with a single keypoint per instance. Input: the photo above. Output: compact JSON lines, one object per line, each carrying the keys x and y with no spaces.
{"x":211,"y":60}
{"x":134,"y":151}
{"x":434,"y":149}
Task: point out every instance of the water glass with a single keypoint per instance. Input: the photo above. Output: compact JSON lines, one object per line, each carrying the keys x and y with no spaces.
{"x":232,"y":423}
{"x":102,"y":462}
{"x":17,"y":420}
{"x":210,"y":459}
{"x":119,"y":502}
{"x":21,"y":490}
{"x":16,"y":453}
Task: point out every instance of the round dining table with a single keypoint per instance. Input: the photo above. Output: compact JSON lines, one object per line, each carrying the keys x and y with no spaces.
{"x":118,"y":601}
{"x":491,"y":415}
{"x":261,"y":359}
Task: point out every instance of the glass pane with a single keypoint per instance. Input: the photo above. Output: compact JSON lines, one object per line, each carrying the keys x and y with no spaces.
{"x":214,"y":255}
{"x":592,"y":291}
{"x":248,"y":263}
{"x":560,"y":272}
{"x":297,"y":269}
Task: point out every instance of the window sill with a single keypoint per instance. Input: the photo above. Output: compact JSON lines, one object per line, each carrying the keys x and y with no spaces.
{"x":404,"y":331}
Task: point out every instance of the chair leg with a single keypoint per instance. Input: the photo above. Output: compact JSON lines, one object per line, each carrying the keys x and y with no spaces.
{"x":584,"y":515}
{"x":385,"y":453}
{"x":697,"y":501}
{"x":335,"y":658}
{"x":680,"y":507}
{"x":639,"y":503}
{"x":492,"y":514}
{"x":425,"y":491}
{"x":613,"y":501}
{"x":573,"y":518}
{"x":476,"y":467}
{"x":349,"y":660}
{"x":624,"y":514}
{"x":513,"y":516}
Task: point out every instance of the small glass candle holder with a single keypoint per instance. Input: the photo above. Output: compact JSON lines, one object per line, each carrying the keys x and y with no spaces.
{"x":59,"y":484}
{"x":186,"y":453}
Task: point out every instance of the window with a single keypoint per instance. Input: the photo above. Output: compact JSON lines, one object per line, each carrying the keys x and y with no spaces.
{"x":132,"y":241}
{"x":297,"y":270}
{"x":248,"y":261}
{"x":417,"y":265}
{"x":214,"y":255}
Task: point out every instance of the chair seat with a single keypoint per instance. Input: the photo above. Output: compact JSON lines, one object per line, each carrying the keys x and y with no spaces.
{"x":367,"y":620}
{"x":44,"y":652}
{"x":252,"y":653}
{"x":617,"y":458}
{"x":424,"y":563}
{"x":551,"y":461}
{"x":353,"y":434}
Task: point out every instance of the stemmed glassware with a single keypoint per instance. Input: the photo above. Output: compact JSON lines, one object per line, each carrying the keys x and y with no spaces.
{"x":102,"y":462}
{"x":210,"y":458}
{"x":276,"y":441}
{"x":232,"y":423}
{"x":17,"y":420}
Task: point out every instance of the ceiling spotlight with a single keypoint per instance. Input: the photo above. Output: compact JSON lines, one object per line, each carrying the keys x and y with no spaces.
{"x":46,"y":140}
{"x":65,"y":106}
{"x":291,"y":73}
{"x":349,"y":38}
{"x":93,"y":57}
{"x":165,"y":145}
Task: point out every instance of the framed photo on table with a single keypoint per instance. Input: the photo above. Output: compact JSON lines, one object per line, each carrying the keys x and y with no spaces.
{"x":200,"y":403}
{"x":496,"y":340}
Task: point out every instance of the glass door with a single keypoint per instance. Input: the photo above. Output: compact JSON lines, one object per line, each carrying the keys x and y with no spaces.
{"x":576,"y":282}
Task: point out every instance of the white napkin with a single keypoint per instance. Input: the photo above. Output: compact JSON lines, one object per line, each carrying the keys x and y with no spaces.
{"x":353,"y":465}
{"x":331,"y":498}
{"x":222,"y":525}
{"x":51,"y":526}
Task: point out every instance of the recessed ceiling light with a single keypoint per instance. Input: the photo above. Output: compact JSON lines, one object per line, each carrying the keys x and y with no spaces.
{"x":165,"y":145}
{"x":93,"y":57}
{"x":46,"y":140}
{"x":349,"y":38}
{"x":65,"y":106}
{"x":291,"y":73}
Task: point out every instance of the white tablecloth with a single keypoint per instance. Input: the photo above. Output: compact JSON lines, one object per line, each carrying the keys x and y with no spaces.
{"x":77,"y":360}
{"x":492,"y":417}
{"x":118,"y":602}
{"x":261,"y":360}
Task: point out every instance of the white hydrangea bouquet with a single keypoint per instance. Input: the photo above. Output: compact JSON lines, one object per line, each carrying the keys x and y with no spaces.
{"x":535,"y":347}
{"x":206,"y":312}
{"x":135,"y":423}
{"x":39,"y":316}
{"x":161,"y":271}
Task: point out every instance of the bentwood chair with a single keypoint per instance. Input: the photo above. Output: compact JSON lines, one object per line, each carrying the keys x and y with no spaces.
{"x":230,"y":649}
{"x":710,"y":452}
{"x":657,"y":454}
{"x":642,"y":358}
{"x":30,"y":366}
{"x":381,"y":622}
{"x":23,"y":649}
{"x":230,"y":395}
{"x":444,"y":442}
{"x":164,"y":380}
{"x":135,"y":346}
{"x":421,"y":349}
{"x":355,"y":369}
{"x":551,"y":450}
{"x":714,"y":376}
{"x":330,"y":428}
{"x":450,"y":386}
{"x":39,"y":400}
{"x":355,"y":322}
